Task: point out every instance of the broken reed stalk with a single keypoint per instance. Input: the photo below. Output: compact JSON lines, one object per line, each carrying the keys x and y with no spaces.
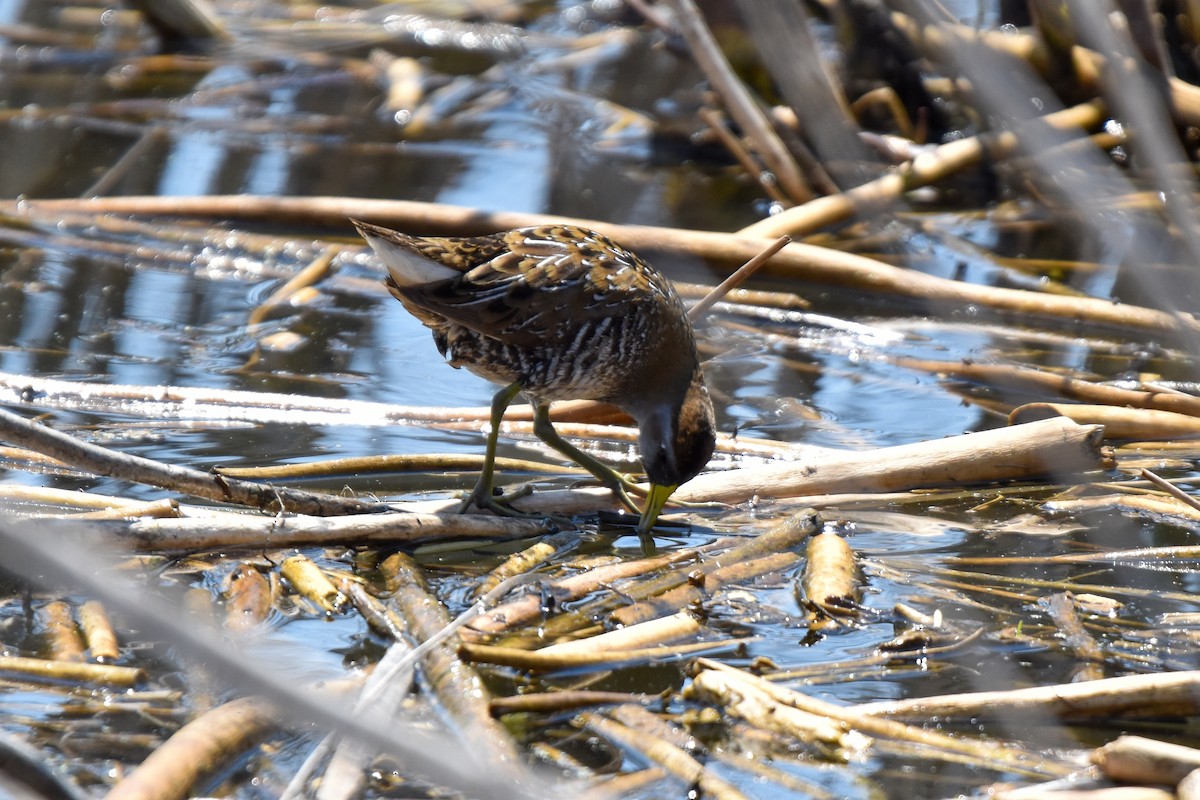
{"x":1171,"y":489}
{"x":797,"y":261}
{"x":1173,"y":695}
{"x":103,"y":461}
{"x":1008,"y":376}
{"x":674,"y":760}
{"x":741,"y":106}
{"x":1055,"y":446}
{"x":455,"y":684}
{"x":1138,"y":424}
{"x":74,"y":671}
{"x":992,"y":754}
{"x":639,"y":600}
{"x":631,"y":637}
{"x":740,"y":276}
{"x":831,"y":582}
{"x":703,"y":587}
{"x":529,"y":607}
{"x":525,"y":561}
{"x":536,"y":661}
{"x":1136,"y":759}
{"x":197,"y":751}
{"x":247,"y":531}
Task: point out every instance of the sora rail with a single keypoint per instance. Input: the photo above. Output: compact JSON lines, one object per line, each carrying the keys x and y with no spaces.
{"x":562,"y":313}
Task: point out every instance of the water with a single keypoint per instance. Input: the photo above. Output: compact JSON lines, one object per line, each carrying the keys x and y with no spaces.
{"x":168,"y":314}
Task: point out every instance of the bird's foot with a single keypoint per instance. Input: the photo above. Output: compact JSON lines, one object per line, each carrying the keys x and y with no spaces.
{"x":484,"y":498}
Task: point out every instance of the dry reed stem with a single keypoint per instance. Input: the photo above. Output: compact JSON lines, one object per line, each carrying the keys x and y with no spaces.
{"x":98,"y":632}
{"x":804,"y":262}
{"x":565,"y":700}
{"x":779,"y":541}
{"x":306,"y":277}
{"x":310,"y":582}
{"x":1056,"y":447}
{"x":1135,"y":556}
{"x":79,"y":672}
{"x":1088,"y":64}
{"x":1030,"y":379}
{"x":432,"y":462}
{"x":744,"y":702}
{"x":1173,"y":695}
{"x":529,"y":607}
{"x":831,"y":582}
{"x":248,"y":599}
{"x":454,"y":683}
{"x":103,"y":461}
{"x":765,"y":180}
{"x":680,"y":625}
{"x":739,"y":276}
{"x":674,"y":760}
{"x":525,"y":561}
{"x":930,"y":166}
{"x":167,"y":508}
{"x":1137,"y":504}
{"x":63,"y":638}
{"x":179,"y":402}
{"x":1141,"y":424}
{"x":990,"y":754}
{"x":1135,"y":759}
{"x":247,"y":531}
{"x":1170,"y":488}
{"x":536,"y":661}
{"x":702,"y":587}
{"x":196,"y":751}
{"x":740,"y":105}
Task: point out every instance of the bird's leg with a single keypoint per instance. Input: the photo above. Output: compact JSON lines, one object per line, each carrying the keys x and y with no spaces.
{"x":481,"y":496}
{"x":620,"y":485}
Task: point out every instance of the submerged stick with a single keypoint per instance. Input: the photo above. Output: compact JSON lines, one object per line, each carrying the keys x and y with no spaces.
{"x":456,"y":685}
{"x":674,"y":760}
{"x":103,"y":461}
{"x":196,"y":751}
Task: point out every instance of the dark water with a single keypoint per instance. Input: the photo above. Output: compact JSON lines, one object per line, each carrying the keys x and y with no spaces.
{"x":526,"y":136}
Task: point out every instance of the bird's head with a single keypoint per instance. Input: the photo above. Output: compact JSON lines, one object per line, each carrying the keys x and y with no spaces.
{"x":676,"y":440}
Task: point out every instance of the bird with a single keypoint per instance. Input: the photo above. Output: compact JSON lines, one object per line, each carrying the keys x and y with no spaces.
{"x":560,"y":312}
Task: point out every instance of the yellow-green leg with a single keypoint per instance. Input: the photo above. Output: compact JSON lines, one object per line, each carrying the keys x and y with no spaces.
{"x":620,"y":485}
{"x":481,"y":496}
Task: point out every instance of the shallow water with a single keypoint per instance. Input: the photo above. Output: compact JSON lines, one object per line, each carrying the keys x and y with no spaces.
{"x":143,"y":317}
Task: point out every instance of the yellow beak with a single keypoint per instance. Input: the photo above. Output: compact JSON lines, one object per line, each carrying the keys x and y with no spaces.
{"x":655,"y":499}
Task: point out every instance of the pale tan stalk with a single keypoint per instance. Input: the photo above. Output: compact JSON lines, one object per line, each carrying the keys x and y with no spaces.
{"x":1173,"y":694}
{"x":632,"y":637}
{"x":310,"y":582}
{"x":831,"y":582}
{"x":674,"y":760}
{"x":63,"y":638}
{"x":196,"y":751}
{"x":248,"y":599}
{"x":1141,"y":424}
{"x":85,"y":672}
{"x":98,"y":632}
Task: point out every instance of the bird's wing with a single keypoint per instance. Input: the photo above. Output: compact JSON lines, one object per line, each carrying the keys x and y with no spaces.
{"x":547,"y":283}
